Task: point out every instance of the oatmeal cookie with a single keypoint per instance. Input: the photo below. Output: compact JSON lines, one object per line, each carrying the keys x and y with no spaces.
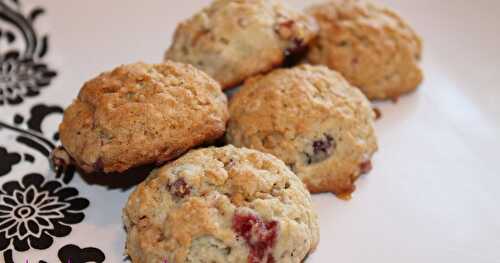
{"x":312,"y":119}
{"x":233,"y":40}
{"x":140,"y":114}
{"x":221,"y":205}
{"x":370,"y":45}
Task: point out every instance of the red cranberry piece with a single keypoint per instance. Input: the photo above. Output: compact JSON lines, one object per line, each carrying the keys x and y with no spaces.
{"x":366,"y":167}
{"x":99,"y":165}
{"x":324,"y":145}
{"x":179,"y":188}
{"x":259,"y":235}
{"x":322,"y":149}
{"x":296,"y":45}
{"x":295,"y":52}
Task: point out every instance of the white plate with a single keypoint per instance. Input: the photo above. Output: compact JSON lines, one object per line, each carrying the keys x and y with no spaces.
{"x":433,"y":195}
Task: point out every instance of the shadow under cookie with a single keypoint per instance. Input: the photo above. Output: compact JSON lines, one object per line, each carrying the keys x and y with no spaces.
{"x":123,"y":181}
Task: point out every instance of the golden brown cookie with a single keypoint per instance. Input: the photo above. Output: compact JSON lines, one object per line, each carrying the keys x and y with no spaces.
{"x":139,"y":114}
{"x":312,"y":119}
{"x":370,"y":45}
{"x":221,"y":205}
{"x":233,"y":40}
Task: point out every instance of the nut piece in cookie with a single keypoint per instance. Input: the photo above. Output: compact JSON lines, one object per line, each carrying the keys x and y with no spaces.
{"x":311,"y":118}
{"x":370,"y":45}
{"x":233,"y":40}
{"x":221,"y":205}
{"x":141,"y":114}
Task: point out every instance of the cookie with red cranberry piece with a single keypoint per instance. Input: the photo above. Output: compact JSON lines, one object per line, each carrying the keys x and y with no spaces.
{"x":233,"y":40}
{"x":140,"y":114}
{"x":312,"y":119}
{"x":221,"y":205}
{"x":370,"y":45}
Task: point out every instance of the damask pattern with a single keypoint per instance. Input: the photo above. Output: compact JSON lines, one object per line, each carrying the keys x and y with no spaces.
{"x":38,"y":207}
{"x":22,"y":71}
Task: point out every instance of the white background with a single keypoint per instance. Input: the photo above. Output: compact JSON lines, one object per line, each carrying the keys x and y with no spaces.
{"x":434,"y":193}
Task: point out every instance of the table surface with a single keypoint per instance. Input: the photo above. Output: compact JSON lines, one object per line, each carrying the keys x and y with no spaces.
{"x":433,"y":195}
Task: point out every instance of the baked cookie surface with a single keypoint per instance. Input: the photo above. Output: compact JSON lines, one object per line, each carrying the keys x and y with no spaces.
{"x":370,"y":45}
{"x":221,"y":205}
{"x":140,"y":114}
{"x":233,"y":40}
{"x":312,"y":119}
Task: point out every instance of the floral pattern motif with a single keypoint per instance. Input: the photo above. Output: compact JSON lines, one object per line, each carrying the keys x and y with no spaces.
{"x":74,"y":254}
{"x":22,"y":72}
{"x":37,"y":208}
{"x":21,"y":77}
{"x":33,"y":211}
{"x":7,"y":161}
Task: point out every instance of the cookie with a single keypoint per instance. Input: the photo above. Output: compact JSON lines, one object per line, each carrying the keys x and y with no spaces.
{"x":140,"y":114}
{"x":233,"y":40}
{"x":370,"y":45}
{"x":311,"y":118}
{"x":221,"y":205}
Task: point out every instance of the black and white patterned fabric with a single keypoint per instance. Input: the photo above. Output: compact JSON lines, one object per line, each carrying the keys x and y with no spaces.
{"x":40,"y":209}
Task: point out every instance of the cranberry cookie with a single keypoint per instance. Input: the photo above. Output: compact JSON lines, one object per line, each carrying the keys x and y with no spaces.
{"x":233,"y":40}
{"x":370,"y":45}
{"x":312,"y":119}
{"x":139,"y":114}
{"x":221,"y":205}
